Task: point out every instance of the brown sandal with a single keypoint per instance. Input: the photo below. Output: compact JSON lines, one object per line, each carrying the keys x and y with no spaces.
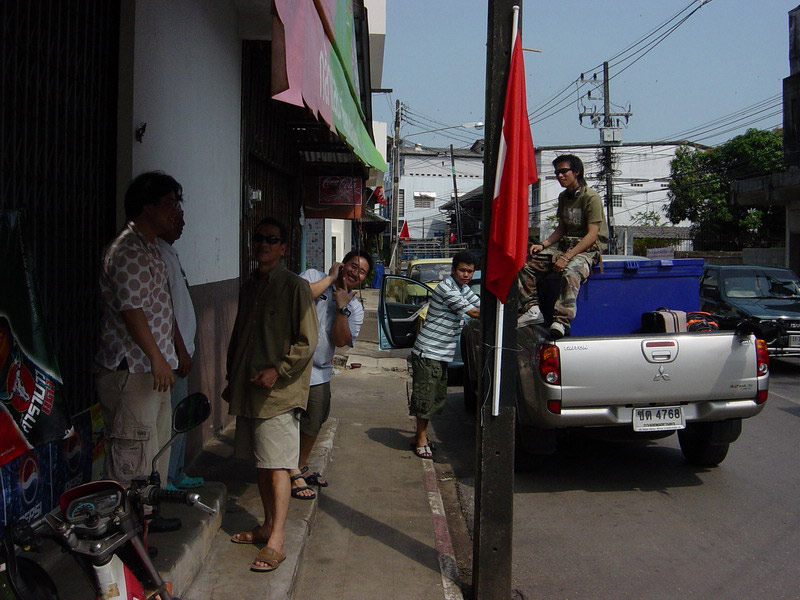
{"x":255,"y":537}
{"x":270,"y":556}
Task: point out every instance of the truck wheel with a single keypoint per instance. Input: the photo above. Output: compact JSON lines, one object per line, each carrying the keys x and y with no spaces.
{"x":470,"y":393}
{"x":700,"y":450}
{"x":706,"y":443}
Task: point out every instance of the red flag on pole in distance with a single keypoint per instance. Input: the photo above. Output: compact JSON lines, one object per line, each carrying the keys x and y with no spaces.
{"x":379,"y":195}
{"x":516,"y":171}
{"x":404,"y":234}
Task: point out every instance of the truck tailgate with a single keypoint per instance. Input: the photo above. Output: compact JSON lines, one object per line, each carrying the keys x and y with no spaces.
{"x":657,"y":369}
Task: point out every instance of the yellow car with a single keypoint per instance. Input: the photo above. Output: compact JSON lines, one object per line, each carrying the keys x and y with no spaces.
{"x":429,"y":271}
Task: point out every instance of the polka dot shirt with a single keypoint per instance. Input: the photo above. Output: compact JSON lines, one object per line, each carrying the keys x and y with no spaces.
{"x":134,"y":276}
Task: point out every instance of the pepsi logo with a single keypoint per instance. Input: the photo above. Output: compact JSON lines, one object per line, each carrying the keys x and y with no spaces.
{"x":73,"y":450}
{"x":29,"y":477}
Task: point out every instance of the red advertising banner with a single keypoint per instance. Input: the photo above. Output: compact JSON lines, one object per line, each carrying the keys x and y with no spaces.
{"x":32,"y":410}
{"x":333,"y":197}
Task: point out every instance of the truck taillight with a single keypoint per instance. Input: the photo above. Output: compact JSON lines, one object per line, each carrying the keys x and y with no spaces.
{"x":550,"y":364}
{"x":762,"y":368}
{"x":762,"y":357}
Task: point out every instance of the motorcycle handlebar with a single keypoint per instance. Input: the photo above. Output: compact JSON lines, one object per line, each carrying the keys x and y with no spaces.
{"x":155,"y":494}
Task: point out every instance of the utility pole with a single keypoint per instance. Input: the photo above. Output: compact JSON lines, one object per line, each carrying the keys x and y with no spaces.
{"x":610,"y":135}
{"x":455,"y":195}
{"x":398,"y":113}
{"x":608,"y":166}
{"x":494,"y":447}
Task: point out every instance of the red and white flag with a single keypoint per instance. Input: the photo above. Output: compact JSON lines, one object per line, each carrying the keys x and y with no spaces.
{"x":516,"y":171}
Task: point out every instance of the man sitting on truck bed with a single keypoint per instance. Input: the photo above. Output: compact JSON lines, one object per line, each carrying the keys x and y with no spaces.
{"x":577,"y":243}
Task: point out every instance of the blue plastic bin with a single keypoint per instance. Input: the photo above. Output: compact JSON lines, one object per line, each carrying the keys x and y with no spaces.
{"x":378,"y":279}
{"x":612,"y":302}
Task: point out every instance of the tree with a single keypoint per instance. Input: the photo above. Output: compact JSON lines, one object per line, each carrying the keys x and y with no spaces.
{"x":700,"y":190}
{"x":647,"y":218}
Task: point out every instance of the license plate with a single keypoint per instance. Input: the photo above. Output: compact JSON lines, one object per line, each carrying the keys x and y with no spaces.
{"x":794,"y":340}
{"x":658,"y":418}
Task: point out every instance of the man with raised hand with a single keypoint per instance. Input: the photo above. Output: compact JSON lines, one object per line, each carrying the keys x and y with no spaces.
{"x":339,"y":316}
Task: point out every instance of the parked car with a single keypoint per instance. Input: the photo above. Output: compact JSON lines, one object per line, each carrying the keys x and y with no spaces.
{"x":767,"y":297}
{"x":429,"y":271}
{"x":610,"y":379}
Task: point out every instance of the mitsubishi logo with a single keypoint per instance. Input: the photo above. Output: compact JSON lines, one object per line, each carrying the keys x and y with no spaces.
{"x":661,"y":375}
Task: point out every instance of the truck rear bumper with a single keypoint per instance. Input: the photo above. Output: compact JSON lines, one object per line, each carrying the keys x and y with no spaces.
{"x":594,"y":416}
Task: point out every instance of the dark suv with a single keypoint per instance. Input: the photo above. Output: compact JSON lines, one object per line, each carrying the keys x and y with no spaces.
{"x":767,"y":297}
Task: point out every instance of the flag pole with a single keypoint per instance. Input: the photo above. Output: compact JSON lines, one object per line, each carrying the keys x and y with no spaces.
{"x":498,"y":337}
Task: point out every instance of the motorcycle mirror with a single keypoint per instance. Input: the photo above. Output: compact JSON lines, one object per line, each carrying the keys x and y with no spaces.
{"x":190,"y":412}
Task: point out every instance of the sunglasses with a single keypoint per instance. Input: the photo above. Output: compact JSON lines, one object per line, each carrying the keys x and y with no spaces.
{"x":270,"y":239}
{"x":563,"y":171}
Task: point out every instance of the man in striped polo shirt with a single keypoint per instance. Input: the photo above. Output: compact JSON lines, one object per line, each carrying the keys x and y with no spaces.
{"x":451,"y":301}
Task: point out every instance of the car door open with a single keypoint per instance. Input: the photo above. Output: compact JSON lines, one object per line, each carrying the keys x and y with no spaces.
{"x":401,"y":301}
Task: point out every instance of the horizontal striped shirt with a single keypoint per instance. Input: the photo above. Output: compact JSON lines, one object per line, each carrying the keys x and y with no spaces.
{"x":446,"y":316}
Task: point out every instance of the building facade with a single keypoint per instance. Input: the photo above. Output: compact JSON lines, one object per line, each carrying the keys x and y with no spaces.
{"x":223,"y":95}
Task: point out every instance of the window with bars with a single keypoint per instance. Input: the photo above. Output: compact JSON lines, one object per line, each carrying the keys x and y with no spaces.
{"x":617,"y":200}
{"x":424,"y":199}
{"x":401,"y":203}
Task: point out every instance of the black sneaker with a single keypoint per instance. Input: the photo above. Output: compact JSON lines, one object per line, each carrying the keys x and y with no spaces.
{"x":164,"y":524}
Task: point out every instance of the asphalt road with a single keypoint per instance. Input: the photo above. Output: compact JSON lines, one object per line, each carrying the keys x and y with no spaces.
{"x":634,"y":520}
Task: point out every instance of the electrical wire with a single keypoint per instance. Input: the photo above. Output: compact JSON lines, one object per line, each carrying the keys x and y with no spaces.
{"x":633,"y":52}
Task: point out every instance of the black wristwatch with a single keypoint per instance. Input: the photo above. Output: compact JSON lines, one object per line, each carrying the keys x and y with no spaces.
{"x":344,"y":310}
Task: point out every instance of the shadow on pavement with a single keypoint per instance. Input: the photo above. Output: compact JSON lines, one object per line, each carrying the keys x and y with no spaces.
{"x":391,"y":437}
{"x":364,"y":525}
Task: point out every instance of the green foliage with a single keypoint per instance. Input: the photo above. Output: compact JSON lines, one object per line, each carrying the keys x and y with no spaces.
{"x":700,"y":189}
{"x":647,"y":218}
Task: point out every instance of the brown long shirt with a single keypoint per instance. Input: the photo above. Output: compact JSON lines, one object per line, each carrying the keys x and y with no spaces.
{"x":276,"y":326}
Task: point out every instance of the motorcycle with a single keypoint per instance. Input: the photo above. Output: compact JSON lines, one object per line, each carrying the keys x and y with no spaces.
{"x":103,"y":526}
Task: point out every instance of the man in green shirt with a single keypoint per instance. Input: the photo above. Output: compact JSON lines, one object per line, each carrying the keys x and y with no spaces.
{"x":269,"y":368}
{"x":577,"y":243}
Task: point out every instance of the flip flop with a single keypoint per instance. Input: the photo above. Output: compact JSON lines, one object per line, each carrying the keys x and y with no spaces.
{"x":423,"y":451}
{"x":268,"y":555}
{"x":301,"y":488}
{"x":255,"y":537}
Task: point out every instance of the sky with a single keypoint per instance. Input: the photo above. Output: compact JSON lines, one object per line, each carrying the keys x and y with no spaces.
{"x":725,"y":62}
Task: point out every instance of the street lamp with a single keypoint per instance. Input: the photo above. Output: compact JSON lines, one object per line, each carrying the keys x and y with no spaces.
{"x":396,"y":143}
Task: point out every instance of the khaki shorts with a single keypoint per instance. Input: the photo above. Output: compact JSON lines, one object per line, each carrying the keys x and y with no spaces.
{"x":317,"y":409}
{"x":273,"y":443}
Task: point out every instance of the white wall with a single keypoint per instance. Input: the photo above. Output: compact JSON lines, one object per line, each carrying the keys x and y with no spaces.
{"x":340,"y":229}
{"x":187,"y":88}
{"x":432,"y":173}
{"x":641,"y":175}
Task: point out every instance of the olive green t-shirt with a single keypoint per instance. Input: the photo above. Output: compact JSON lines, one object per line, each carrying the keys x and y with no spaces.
{"x":577,"y":210}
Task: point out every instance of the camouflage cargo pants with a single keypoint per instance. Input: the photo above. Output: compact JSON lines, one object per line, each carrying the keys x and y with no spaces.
{"x":541,"y":265}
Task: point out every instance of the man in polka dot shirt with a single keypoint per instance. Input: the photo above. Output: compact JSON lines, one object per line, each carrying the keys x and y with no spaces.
{"x":139,"y":343}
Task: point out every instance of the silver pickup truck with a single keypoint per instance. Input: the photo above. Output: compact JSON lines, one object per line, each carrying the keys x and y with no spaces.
{"x":699,"y":384}
{"x":638,"y":385}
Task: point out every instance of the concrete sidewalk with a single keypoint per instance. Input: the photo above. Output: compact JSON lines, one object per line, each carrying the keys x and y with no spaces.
{"x":378,"y":530}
